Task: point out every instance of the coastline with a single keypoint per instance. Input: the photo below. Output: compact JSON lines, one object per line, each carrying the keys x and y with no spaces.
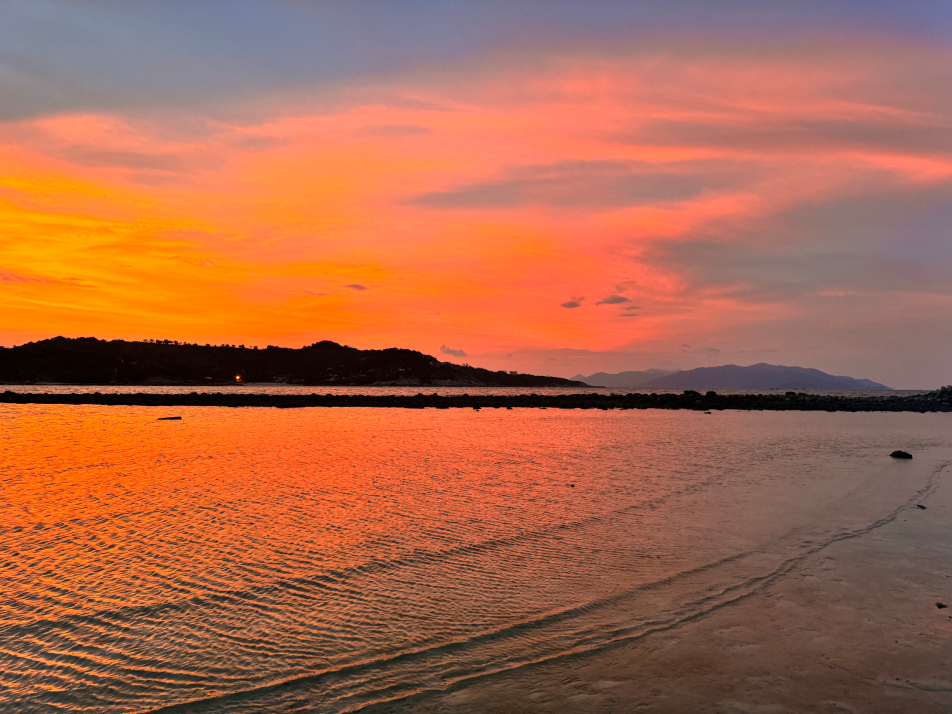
{"x":853,"y":627}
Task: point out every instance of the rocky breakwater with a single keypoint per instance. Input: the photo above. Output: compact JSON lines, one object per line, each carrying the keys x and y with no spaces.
{"x":937,"y":401}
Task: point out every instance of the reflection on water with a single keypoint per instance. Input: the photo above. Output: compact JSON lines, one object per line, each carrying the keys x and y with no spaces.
{"x":324,"y":560}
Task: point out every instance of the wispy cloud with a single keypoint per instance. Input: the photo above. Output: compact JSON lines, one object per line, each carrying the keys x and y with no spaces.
{"x":444,"y":350}
{"x":594,"y":185}
{"x":8,"y":276}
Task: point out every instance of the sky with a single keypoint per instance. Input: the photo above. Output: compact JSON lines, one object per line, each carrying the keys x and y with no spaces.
{"x":548,"y":187}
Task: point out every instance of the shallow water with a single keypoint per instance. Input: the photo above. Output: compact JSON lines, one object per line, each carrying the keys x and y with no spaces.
{"x":325,"y":560}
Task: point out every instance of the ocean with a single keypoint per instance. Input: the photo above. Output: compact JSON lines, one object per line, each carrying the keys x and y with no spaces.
{"x":336,"y":560}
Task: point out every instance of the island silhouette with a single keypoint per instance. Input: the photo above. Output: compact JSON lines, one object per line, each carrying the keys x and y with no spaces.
{"x":732,"y":376}
{"x":87,"y":360}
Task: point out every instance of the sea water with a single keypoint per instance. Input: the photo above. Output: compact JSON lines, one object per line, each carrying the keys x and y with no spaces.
{"x":332,"y":560}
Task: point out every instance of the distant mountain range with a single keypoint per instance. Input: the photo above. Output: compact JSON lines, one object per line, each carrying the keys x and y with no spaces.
{"x":86,"y":360}
{"x":623,"y":379}
{"x":731,"y":376}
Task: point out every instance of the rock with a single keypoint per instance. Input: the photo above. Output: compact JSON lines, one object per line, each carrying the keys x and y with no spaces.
{"x":919,"y":505}
{"x":169,"y":419}
{"x":901,"y":455}
{"x":941,"y":605}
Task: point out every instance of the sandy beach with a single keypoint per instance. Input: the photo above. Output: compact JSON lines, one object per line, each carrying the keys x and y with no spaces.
{"x":852,"y":628}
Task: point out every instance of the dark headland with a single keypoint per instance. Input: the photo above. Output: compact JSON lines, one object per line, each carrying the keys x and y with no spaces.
{"x":86,"y":360}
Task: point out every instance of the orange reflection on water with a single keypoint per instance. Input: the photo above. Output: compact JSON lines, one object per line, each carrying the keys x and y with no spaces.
{"x":153,"y":562}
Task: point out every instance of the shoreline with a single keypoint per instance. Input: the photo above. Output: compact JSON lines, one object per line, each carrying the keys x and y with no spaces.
{"x":852,"y":627}
{"x":939,"y":401}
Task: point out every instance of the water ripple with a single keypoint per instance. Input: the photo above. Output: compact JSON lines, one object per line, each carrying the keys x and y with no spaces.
{"x":325,"y":561}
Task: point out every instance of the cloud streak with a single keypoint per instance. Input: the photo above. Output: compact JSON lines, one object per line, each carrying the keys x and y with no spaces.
{"x":597,"y":185}
{"x":8,"y":276}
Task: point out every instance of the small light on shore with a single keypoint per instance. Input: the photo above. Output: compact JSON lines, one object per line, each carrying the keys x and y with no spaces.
{"x":237,"y":377}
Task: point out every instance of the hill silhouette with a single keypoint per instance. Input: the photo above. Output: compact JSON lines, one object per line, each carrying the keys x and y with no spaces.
{"x":759,"y":376}
{"x":623,"y":379}
{"x":87,"y":360}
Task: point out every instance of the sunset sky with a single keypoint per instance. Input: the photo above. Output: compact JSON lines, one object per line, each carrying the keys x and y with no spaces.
{"x":549,"y":187}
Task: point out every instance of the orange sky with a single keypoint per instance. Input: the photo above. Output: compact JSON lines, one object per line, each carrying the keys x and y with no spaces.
{"x":735,"y":201}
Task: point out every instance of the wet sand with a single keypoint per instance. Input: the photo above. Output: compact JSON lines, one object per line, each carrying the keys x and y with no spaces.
{"x":851,"y":628}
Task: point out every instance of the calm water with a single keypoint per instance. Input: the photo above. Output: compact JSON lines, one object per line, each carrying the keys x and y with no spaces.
{"x":328,"y":560}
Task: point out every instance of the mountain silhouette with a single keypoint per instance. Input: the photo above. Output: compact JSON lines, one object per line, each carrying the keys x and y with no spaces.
{"x":759,"y":376}
{"x":623,"y":379}
{"x":87,"y":360}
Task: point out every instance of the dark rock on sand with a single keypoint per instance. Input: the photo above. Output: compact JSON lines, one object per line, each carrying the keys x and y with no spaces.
{"x":919,"y":505}
{"x":169,"y":419}
{"x":941,"y":605}
{"x":901,"y":455}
